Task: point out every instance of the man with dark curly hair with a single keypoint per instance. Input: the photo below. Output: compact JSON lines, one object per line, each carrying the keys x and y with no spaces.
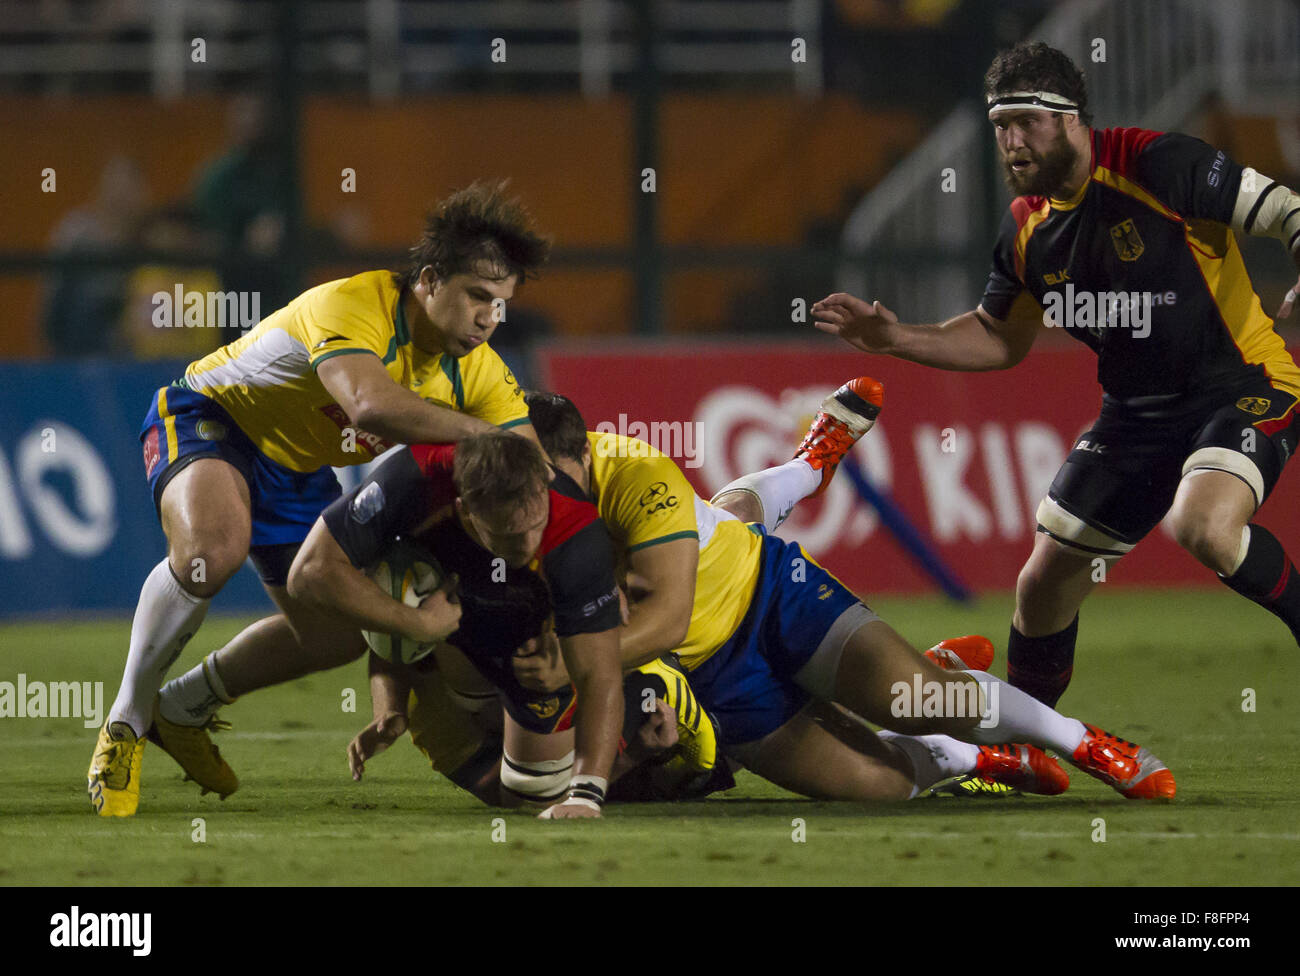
{"x":238,"y":454}
{"x":1123,"y":237}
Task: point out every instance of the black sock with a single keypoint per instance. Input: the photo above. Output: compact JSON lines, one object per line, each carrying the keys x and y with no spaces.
{"x":1269,"y":578}
{"x":1042,"y":666}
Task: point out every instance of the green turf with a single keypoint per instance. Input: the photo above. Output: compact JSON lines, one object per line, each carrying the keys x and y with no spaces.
{"x":1166,"y":668}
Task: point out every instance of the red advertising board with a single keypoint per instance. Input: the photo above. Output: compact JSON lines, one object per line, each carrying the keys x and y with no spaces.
{"x":967,"y":456}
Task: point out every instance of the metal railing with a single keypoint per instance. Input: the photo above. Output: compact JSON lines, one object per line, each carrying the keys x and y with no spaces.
{"x":388,"y":47}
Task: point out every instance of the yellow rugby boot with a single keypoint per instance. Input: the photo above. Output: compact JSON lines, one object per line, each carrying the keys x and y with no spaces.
{"x":114,"y":774}
{"x":195,"y":752}
{"x":973,"y":785}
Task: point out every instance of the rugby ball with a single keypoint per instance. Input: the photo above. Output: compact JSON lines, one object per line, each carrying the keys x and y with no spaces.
{"x":407,"y":573}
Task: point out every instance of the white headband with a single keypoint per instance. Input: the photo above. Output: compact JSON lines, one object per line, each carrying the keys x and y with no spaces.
{"x":1047,"y":101}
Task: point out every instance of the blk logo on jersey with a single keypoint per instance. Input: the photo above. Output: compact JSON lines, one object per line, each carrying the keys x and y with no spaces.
{"x":1216,"y":169}
{"x":1256,"y":405}
{"x":1127,"y":241}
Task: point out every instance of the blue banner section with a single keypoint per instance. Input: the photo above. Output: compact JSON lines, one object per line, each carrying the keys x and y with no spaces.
{"x":77,"y":526}
{"x":78,"y":530}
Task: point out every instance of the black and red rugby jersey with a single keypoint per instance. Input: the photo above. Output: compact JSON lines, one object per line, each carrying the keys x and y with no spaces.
{"x":572,"y":575}
{"x":1151,"y":221}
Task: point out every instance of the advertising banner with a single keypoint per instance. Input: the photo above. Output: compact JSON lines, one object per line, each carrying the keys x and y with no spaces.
{"x":966,"y":456}
{"x":77,"y":526}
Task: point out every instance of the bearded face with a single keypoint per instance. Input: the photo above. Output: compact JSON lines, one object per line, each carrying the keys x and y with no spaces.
{"x":1039,"y":162}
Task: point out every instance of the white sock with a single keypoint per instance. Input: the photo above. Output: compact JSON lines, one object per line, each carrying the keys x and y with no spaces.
{"x":1022,"y":718}
{"x":165,"y":619}
{"x":934,"y":757}
{"x":778,"y":489}
{"x":194,"y":696}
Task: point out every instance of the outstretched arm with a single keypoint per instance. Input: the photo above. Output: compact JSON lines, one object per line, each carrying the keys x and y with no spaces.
{"x":390,"y":685}
{"x":972,"y":341}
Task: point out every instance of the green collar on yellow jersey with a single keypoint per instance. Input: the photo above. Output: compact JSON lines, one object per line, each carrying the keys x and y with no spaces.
{"x":402,"y":333}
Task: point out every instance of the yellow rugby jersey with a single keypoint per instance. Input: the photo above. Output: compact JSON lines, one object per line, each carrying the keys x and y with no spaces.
{"x":266,"y":380}
{"x":645,"y":499}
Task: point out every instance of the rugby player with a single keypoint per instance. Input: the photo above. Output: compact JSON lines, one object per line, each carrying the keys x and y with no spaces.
{"x":514,"y":538}
{"x":459,"y":728}
{"x":465,"y":745}
{"x":764,"y":631}
{"x":238,"y":454}
{"x":533,"y":762}
{"x":1198,"y":410}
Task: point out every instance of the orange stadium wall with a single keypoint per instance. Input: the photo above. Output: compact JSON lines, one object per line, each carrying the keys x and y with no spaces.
{"x":734,"y":169}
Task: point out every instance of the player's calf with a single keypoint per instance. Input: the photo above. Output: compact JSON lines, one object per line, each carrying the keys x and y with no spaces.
{"x":880,"y":677}
{"x":1051,"y":587}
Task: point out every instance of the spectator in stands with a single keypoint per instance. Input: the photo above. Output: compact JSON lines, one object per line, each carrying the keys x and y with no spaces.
{"x":83,"y":304}
{"x":242,"y":197}
{"x":170,"y":230}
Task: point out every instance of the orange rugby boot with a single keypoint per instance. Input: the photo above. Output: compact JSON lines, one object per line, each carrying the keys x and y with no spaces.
{"x":969,"y":653}
{"x":1128,"y":767}
{"x":844,"y":417}
{"x":1021,"y":767}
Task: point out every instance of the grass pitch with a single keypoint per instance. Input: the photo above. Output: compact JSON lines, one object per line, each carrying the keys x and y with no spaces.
{"x":1170,"y":669}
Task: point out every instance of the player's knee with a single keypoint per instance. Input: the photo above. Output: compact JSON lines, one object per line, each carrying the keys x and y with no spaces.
{"x":203,"y":566}
{"x":742,"y":503}
{"x":1028,"y":585}
{"x":479,"y":774}
{"x":1050,"y":587}
{"x":1214,"y":543}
